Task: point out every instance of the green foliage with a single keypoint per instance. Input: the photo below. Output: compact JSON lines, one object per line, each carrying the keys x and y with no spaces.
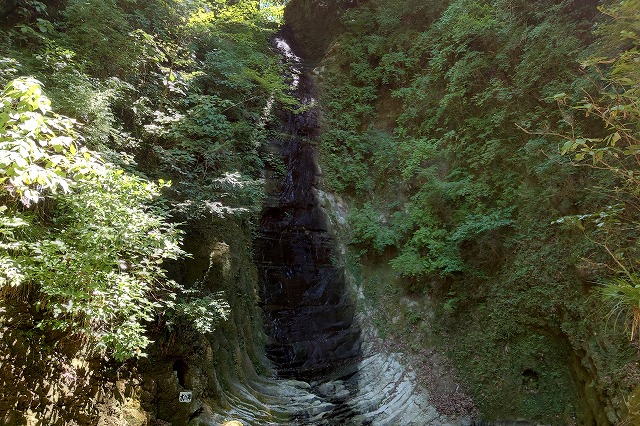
{"x":457,"y":87}
{"x":624,"y":293}
{"x":454,"y":86}
{"x":215,"y":93}
{"x":198,"y":74}
{"x":110,"y":243}
{"x":164,"y":88}
{"x":369,"y":229}
{"x":203,"y":313}
{"x":615,"y":103}
{"x":94,"y":250}
{"x":38,"y":151}
{"x":94,"y":27}
{"x":466,"y":210}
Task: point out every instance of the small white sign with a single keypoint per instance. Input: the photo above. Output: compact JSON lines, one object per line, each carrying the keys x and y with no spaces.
{"x":185,"y":397}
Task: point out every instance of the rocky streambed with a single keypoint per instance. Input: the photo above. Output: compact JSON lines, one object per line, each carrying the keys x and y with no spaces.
{"x":377,"y":390}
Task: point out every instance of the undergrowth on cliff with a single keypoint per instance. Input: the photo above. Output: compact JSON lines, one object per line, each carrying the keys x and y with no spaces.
{"x":83,"y":234}
{"x":443,"y":126}
{"x":164,"y":90}
{"x":615,"y":102}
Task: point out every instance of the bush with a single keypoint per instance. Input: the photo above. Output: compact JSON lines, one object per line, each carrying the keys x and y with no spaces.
{"x":88,"y":236}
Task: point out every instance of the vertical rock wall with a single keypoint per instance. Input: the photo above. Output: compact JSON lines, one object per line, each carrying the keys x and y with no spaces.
{"x":309,"y":315}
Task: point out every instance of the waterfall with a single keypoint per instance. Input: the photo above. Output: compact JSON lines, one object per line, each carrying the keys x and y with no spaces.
{"x":308,"y":313}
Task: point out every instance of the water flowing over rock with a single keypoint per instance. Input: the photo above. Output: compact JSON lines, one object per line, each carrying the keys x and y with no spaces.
{"x":309,"y":315}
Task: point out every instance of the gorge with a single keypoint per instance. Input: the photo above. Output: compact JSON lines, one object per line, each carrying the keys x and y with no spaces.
{"x":380,"y":212}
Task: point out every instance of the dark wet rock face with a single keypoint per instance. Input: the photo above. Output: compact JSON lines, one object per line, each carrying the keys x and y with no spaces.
{"x":308,"y":314}
{"x":316,"y":24}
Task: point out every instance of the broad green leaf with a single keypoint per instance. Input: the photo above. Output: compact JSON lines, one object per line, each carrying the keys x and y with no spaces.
{"x":568,"y":146}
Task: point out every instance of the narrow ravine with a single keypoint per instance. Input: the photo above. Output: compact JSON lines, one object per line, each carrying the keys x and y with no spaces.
{"x":313,"y":337}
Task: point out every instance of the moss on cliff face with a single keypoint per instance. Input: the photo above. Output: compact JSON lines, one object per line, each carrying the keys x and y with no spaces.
{"x":422,"y":104}
{"x":211,"y":366}
{"x":178,"y":91}
{"x":53,"y":381}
